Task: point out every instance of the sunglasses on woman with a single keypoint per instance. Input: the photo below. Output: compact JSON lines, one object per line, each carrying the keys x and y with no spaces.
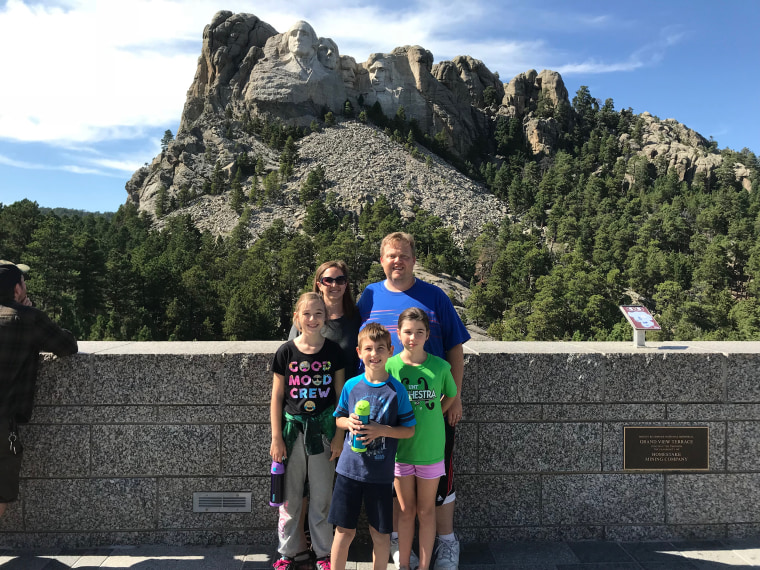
{"x":342,"y":280}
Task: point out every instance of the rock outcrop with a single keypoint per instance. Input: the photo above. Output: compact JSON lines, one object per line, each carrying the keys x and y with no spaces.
{"x":360,"y":164}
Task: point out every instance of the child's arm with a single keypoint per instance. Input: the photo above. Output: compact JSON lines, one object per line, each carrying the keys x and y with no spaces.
{"x":446,"y":402}
{"x":277,"y":449}
{"x":336,"y":445}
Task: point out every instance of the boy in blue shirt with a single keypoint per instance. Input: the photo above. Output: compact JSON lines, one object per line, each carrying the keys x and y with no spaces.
{"x":368,"y":476}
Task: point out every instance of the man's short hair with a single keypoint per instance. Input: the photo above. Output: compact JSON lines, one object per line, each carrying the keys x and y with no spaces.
{"x":403,"y":237}
{"x":374,"y":332}
{"x":10,"y":276}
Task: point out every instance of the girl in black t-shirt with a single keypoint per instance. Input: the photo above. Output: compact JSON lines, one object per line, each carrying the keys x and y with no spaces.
{"x":309,"y":373}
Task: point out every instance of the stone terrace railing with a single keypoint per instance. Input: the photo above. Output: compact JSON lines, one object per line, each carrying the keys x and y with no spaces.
{"x":123,"y":434}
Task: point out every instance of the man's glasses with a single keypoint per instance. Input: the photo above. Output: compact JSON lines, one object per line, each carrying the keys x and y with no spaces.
{"x":342,"y":280}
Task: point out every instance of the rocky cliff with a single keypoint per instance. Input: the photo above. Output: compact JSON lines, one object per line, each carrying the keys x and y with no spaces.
{"x":247,"y":69}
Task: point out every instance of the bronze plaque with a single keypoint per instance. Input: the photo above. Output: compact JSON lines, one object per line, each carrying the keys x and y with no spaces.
{"x":666,"y":448}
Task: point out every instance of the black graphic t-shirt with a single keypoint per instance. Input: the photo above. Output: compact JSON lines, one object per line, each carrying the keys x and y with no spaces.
{"x":309,"y":385}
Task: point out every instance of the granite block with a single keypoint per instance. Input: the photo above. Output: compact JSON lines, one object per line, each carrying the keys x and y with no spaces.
{"x":711,"y":498}
{"x":664,"y":378}
{"x":714,"y":412}
{"x":525,"y":447}
{"x":471,"y":378}
{"x":613,"y":443}
{"x":56,"y":451}
{"x":600,"y":412}
{"x":90,"y":504}
{"x":156,"y":379}
{"x":635,"y":533}
{"x":743,"y":446}
{"x":474,"y":554}
{"x":596,"y":552}
{"x":653,"y":554}
{"x":114,"y":540}
{"x":466,"y":448}
{"x":746,"y":532}
{"x":149,"y":450}
{"x":496,"y":381}
{"x":743,"y":378}
{"x":498,"y":500}
{"x":246,"y":379}
{"x":501,"y":412}
{"x":573,"y":412}
{"x":532,"y":553}
{"x":175,"y":504}
{"x":540,"y":378}
{"x":13,"y":519}
{"x":93,"y":414}
{"x":540,"y":533}
{"x":600,"y":566}
{"x":245,"y":449}
{"x":262,"y":538}
{"x":602,"y":499}
{"x":222,"y":413}
{"x":64,"y":380}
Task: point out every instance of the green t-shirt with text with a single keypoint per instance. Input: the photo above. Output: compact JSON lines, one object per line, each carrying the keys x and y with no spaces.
{"x":425,"y":384}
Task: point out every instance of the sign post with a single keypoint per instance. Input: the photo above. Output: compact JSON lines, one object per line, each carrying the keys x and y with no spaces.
{"x":641,"y":320}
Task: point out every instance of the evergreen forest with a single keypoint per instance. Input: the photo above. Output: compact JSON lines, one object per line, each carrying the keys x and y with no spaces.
{"x":590,"y":228}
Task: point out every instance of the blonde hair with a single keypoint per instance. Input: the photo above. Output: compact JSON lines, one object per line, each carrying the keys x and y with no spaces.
{"x":402,"y":237}
{"x":303,"y":300}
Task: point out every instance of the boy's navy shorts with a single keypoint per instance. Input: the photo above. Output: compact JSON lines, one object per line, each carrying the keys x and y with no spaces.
{"x":346,"y":505}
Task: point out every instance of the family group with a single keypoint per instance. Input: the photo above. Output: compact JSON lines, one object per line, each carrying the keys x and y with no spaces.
{"x":396,"y":358}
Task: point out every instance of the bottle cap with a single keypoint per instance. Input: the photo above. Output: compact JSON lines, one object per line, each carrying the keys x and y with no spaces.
{"x":362,"y":408}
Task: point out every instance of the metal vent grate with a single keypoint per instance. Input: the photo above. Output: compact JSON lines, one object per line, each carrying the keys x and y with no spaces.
{"x":222,"y":502}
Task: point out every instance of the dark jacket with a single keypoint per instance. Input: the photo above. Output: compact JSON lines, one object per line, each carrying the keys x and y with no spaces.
{"x":24,"y":333}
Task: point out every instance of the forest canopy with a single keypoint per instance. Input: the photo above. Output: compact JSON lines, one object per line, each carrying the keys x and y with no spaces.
{"x":590,"y":228}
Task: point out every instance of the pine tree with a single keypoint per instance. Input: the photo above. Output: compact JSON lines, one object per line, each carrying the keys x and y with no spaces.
{"x":166,"y":139}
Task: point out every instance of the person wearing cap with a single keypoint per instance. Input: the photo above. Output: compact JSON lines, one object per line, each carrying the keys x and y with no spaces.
{"x":24,"y":333}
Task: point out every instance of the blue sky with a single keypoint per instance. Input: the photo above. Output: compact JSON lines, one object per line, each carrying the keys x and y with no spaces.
{"x":90,"y":86}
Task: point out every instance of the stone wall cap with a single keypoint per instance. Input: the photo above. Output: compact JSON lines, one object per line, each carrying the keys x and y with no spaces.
{"x":472,"y":347}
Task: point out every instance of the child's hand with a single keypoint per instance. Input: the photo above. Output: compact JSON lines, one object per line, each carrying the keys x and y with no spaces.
{"x":372,"y":431}
{"x":277,"y":450}
{"x":336,"y":445}
{"x":354,"y":424}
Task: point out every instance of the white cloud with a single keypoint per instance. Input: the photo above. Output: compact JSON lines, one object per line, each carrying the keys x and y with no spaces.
{"x":93,"y":70}
{"x":7,"y":161}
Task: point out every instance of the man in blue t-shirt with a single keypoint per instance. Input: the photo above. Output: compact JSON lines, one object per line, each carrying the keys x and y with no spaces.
{"x":383,"y":302}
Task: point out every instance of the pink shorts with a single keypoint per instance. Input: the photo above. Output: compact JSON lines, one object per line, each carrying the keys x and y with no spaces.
{"x":422,"y":471}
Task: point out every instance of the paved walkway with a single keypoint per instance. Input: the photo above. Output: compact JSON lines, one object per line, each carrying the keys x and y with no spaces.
{"x":691,"y":555}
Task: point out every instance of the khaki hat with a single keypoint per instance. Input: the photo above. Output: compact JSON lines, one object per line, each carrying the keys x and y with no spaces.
{"x":22,"y":266}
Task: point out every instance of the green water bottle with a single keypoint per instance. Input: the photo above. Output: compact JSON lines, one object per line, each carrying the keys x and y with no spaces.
{"x":362,"y":410}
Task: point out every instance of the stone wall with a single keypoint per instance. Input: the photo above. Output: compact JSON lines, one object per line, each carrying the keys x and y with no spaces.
{"x":123,"y":434}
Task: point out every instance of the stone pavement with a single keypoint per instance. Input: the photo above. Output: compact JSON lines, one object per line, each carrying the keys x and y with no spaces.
{"x":692,"y":555}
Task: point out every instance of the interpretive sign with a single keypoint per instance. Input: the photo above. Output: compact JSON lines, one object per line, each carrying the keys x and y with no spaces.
{"x":640,"y":318}
{"x":666,"y":448}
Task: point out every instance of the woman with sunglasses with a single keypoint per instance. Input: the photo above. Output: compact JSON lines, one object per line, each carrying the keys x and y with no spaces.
{"x":343,"y":319}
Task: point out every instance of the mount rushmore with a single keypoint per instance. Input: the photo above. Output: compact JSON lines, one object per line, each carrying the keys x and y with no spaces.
{"x":247,"y":69}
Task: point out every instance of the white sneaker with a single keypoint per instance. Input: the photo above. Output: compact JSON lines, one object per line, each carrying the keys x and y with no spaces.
{"x":447,"y":555}
{"x":414,"y":561}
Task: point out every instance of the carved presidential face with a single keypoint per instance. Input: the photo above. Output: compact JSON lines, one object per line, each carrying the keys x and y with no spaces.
{"x":378,"y":75}
{"x":348,"y":70}
{"x":301,"y":40}
{"x":328,"y":53}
